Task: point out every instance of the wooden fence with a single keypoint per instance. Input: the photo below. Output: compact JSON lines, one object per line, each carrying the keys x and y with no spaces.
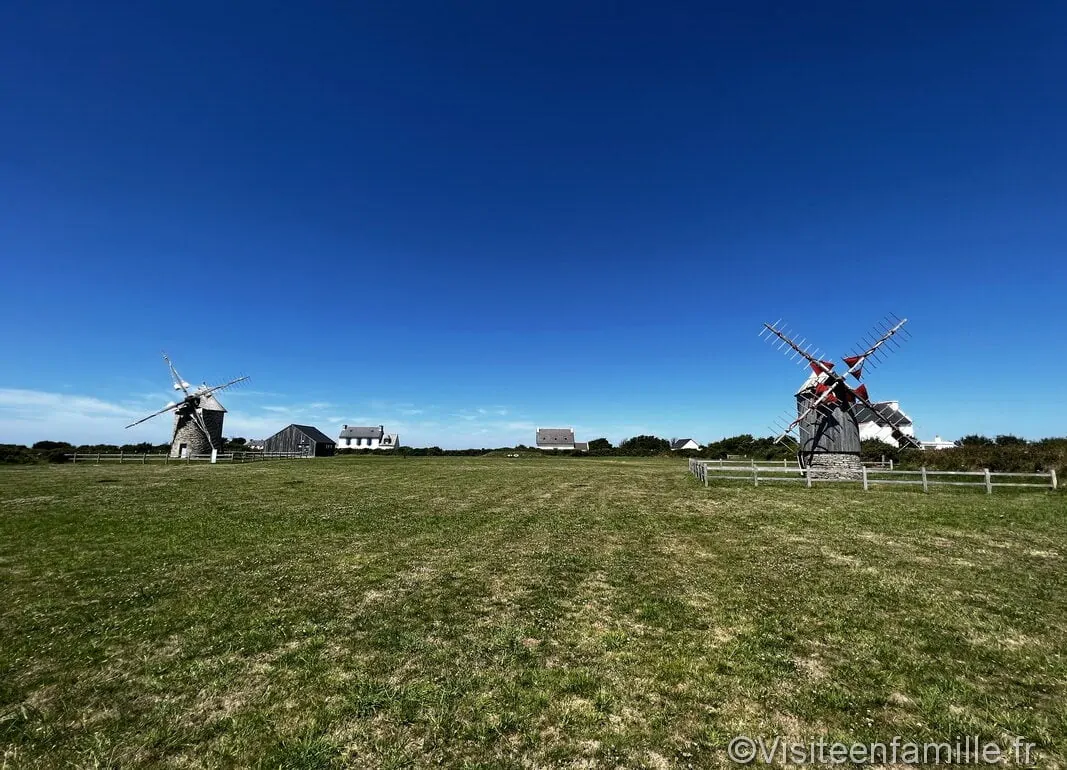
{"x":143,"y":458}
{"x":732,"y":461}
{"x":714,"y":470}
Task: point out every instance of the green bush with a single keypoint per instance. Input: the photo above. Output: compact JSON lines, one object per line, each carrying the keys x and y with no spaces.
{"x":16,"y":454}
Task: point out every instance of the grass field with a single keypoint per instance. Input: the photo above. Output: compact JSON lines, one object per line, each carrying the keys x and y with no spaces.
{"x":390,"y":612}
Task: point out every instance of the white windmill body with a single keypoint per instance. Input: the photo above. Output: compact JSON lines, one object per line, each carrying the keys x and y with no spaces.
{"x":197,"y":417}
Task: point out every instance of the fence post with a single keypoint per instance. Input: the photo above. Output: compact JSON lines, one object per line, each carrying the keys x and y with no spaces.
{"x":988,"y":482}
{"x":1052,"y":476}
{"x":74,"y":459}
{"x":866,"y":486}
{"x":97,"y":458}
{"x":926,"y":486}
{"x":755,"y":475}
{"x":120,"y":457}
{"x":890,"y":463}
{"x":807,"y":474}
{"x":704,"y":472}
{"x":144,"y":458}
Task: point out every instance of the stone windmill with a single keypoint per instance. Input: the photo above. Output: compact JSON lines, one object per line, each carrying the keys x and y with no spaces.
{"x":826,"y":430}
{"x":197,"y":417}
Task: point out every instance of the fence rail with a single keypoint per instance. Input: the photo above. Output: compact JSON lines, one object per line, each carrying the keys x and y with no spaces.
{"x":735,"y":462}
{"x":714,"y":470}
{"x":143,"y":458}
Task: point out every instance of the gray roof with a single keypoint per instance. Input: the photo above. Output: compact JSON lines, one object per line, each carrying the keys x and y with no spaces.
{"x":581,"y":446}
{"x":555,"y":436}
{"x":678,"y":443}
{"x":210,"y":403}
{"x":314,"y":434}
{"x":354,"y":431}
{"x":887,"y":414}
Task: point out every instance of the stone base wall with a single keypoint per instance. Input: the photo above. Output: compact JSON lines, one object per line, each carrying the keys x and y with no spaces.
{"x":188,"y":432}
{"x":833,"y":465}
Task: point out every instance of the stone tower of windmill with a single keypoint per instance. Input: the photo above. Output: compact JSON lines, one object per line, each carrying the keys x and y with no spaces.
{"x":197,"y":417}
{"x":189,"y":437}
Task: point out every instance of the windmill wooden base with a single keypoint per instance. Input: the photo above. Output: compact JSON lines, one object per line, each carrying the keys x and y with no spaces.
{"x":829,"y":439}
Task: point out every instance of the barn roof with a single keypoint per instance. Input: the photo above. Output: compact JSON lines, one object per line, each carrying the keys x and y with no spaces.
{"x":354,"y":431}
{"x":555,"y":437}
{"x":314,"y":434}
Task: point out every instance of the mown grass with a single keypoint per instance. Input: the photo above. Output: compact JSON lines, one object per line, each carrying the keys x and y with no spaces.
{"x":390,"y":612}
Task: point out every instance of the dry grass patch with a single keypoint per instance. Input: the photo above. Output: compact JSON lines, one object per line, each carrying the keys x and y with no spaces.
{"x":548,"y":612}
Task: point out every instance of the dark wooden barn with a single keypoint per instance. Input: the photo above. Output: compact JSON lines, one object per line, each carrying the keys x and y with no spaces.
{"x":300,"y":438}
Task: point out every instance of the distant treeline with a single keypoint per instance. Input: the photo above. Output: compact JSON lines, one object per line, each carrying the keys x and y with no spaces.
{"x":1006,"y":454}
{"x":57,"y":451}
{"x":1003,"y":453}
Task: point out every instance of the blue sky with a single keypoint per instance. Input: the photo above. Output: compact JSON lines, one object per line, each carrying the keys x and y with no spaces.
{"x":467,"y":220}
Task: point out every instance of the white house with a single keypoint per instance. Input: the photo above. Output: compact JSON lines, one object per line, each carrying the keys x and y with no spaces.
{"x":556,"y":438}
{"x":871,"y":427}
{"x":937,"y":443}
{"x":355,"y":437}
{"x":683,"y":443}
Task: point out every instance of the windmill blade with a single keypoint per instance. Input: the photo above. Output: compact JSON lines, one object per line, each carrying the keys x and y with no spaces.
{"x":178,"y":381}
{"x":154,"y":414}
{"x":855,"y":363}
{"x":817,"y":366}
{"x":786,"y":437}
{"x":211,"y":390}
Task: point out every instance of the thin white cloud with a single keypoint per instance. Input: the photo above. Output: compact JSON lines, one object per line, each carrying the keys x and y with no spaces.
{"x":35,"y":402}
